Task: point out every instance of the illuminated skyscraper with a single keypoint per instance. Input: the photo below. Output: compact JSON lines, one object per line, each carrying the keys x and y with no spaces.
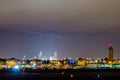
{"x":40,"y":55}
{"x":110,"y":52}
{"x":24,"y":57}
{"x":55,"y":56}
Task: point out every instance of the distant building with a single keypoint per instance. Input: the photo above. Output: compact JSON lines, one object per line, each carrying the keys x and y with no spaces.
{"x":110,"y":53}
{"x":24,"y":58}
{"x":40,"y":55}
{"x":55,"y":56}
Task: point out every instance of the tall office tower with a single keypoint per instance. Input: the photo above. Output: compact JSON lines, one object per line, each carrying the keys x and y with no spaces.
{"x":55,"y":56}
{"x":40,"y":55}
{"x":110,"y":52}
{"x":24,"y":58}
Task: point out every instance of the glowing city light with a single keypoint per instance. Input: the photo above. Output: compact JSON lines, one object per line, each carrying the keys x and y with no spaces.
{"x":16,"y":67}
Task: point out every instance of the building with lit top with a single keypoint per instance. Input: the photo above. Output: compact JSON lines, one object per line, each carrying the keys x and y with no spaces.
{"x":110,"y":53}
{"x":40,"y":55}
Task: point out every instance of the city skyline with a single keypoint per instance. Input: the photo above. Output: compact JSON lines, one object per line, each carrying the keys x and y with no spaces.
{"x":79,"y":28}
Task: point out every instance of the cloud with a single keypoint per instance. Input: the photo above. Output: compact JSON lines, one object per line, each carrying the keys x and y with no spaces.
{"x":44,"y":34}
{"x":60,"y":15}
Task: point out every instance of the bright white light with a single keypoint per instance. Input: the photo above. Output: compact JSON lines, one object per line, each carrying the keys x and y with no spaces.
{"x":34,"y":64}
{"x":16,"y":67}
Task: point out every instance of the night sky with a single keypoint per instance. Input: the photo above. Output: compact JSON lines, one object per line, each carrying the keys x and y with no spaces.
{"x":73,"y":28}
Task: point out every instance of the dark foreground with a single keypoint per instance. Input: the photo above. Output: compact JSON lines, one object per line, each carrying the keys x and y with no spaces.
{"x":69,"y":74}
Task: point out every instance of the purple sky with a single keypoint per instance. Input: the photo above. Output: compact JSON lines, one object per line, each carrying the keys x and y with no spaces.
{"x":73,"y":28}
